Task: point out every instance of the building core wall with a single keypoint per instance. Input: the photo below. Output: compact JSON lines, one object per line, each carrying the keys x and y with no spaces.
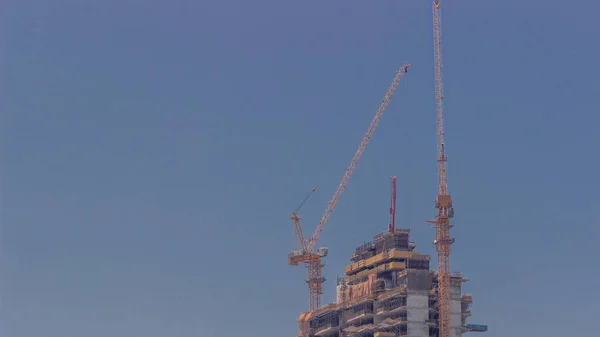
{"x":456,"y":309}
{"x":417,"y":314}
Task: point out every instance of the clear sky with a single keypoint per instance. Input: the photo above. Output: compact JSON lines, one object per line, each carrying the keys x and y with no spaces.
{"x":152,"y":152}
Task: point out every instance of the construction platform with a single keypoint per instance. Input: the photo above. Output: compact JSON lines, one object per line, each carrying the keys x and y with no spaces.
{"x":388,"y":291}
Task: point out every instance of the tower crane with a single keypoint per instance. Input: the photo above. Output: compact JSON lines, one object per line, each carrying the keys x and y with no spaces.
{"x":443,"y":203}
{"x":306,"y":253}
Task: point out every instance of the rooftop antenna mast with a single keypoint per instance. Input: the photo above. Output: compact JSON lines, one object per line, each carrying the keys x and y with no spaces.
{"x":392,"y":225}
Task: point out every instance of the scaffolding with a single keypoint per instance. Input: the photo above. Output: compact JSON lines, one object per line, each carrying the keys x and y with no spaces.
{"x":388,"y":290}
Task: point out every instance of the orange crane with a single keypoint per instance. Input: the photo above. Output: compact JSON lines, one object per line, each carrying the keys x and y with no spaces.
{"x":443,"y":203}
{"x":306,"y":254}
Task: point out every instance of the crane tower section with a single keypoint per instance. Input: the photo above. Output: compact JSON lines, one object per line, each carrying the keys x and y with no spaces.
{"x":443,"y":203}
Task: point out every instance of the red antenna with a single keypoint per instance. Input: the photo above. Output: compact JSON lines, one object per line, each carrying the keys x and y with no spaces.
{"x":392,"y":225}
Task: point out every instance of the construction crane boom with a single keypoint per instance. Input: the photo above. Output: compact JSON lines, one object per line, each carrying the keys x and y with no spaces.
{"x":443,"y":203}
{"x":307,"y":254}
{"x":358,"y":154}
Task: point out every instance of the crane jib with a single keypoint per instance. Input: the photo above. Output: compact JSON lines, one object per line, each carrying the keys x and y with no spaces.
{"x":306,"y":254}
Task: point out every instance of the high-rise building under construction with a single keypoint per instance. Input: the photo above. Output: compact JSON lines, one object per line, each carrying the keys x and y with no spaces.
{"x":389,"y":290}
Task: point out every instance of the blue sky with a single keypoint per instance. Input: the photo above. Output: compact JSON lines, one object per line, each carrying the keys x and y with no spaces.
{"x":153,"y":150}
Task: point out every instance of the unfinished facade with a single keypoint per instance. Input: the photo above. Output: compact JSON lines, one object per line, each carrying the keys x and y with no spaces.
{"x":388,"y":290}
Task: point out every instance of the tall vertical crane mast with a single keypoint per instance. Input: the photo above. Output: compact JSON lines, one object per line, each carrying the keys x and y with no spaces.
{"x":443,"y":203}
{"x":392,"y":226}
{"x":307,"y":254}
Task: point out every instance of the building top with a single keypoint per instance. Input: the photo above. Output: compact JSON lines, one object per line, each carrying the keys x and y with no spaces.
{"x":384,"y":242}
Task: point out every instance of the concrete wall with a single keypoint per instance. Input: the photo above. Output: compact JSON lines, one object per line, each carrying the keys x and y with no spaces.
{"x":419,"y":280}
{"x":455,"y":310}
{"x":418,"y":314}
{"x":455,"y":319}
{"x":339,"y":293}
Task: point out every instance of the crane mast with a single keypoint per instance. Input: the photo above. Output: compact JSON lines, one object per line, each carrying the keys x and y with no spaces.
{"x":443,"y":203}
{"x":307,"y":254}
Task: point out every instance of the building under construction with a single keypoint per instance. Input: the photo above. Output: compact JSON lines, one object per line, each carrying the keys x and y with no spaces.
{"x":388,"y":290}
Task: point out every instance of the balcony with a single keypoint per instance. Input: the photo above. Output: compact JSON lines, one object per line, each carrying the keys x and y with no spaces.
{"x":476,"y":327}
{"x":361,"y":316}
